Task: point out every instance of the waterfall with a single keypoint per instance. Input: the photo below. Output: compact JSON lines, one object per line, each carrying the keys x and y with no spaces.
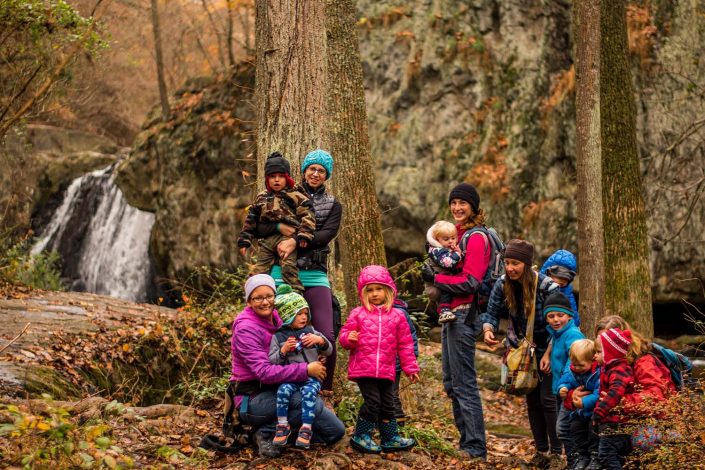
{"x":102,"y":240}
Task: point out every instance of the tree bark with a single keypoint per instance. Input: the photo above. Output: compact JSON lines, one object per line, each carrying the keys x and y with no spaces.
{"x":164,"y":98}
{"x":290,"y":80}
{"x":627,"y":267}
{"x":589,"y":162}
{"x":361,"y":240}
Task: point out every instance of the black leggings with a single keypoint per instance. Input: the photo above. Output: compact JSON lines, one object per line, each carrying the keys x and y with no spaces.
{"x":541,"y":405}
{"x":379,"y":399}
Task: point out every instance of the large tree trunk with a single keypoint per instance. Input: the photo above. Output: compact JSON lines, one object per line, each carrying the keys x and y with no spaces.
{"x":290,"y":81}
{"x":589,"y":162}
{"x":361,"y":240}
{"x":627,"y":274}
{"x":164,"y":98}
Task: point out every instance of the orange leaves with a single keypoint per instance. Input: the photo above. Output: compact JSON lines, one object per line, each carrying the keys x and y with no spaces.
{"x":641,"y":33}
{"x":491,"y":173}
{"x":563,"y":84}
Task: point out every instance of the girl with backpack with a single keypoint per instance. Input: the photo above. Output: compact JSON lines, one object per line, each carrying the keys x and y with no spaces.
{"x":375,"y":334}
{"x":513,"y":295}
{"x":458,"y":337}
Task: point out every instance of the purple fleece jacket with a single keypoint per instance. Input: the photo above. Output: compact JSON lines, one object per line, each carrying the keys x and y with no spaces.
{"x":250,"y":352}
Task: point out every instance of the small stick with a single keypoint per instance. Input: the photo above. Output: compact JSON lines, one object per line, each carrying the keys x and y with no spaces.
{"x":15,"y":338}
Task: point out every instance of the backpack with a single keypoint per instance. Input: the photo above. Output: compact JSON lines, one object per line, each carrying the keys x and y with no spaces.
{"x":233,"y":428}
{"x":679,"y":365}
{"x":495,"y":269}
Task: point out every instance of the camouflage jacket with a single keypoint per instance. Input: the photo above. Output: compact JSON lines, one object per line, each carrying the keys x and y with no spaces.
{"x":288,"y":206}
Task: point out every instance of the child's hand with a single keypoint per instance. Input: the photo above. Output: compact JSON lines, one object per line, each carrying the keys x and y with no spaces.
{"x":289,"y":345}
{"x":545,"y":363}
{"x":310,"y":340}
{"x":413,"y":378}
{"x":354,"y":336}
{"x":563,"y":392}
{"x":578,"y":401}
{"x":303,"y":243}
{"x":243,"y":251}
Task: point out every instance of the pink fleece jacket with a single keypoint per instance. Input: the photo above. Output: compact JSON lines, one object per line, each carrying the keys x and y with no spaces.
{"x":384,"y":334}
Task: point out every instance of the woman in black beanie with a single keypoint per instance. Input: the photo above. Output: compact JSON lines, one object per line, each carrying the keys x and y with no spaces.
{"x":512,"y":296}
{"x":458,"y":337}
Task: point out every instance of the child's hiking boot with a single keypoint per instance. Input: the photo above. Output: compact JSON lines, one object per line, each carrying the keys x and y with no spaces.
{"x":539,"y":460}
{"x":446,"y":316}
{"x":362,"y":438}
{"x":580,"y":462}
{"x":391,"y":440}
{"x":281,"y":435}
{"x":555,"y":462}
{"x":594,"y":462}
{"x":304,"y":437}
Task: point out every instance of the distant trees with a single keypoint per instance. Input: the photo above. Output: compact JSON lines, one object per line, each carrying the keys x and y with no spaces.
{"x":163,"y":97}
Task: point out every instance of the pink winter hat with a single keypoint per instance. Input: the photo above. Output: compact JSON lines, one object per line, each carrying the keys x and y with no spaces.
{"x":375,"y":274}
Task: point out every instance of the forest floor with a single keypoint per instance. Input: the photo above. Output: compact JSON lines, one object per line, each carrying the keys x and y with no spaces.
{"x":80,"y":425}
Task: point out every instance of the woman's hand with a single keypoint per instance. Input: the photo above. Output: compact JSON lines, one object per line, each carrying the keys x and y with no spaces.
{"x":354,"y":336}
{"x":286,"y":230}
{"x":311,"y":340}
{"x":316,"y":370}
{"x":286,"y":247}
{"x":488,"y":338}
{"x":545,"y":364}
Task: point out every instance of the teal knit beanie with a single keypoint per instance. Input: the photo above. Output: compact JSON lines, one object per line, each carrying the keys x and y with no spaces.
{"x":319,"y":157}
{"x":288,"y":304}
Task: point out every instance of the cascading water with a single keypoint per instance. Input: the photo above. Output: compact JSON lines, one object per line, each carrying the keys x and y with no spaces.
{"x":102,"y":240}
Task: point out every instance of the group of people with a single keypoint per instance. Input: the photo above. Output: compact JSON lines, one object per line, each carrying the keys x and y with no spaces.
{"x":284,"y":344}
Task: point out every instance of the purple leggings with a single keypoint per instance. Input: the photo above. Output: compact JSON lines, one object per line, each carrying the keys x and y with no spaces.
{"x":320,"y":302}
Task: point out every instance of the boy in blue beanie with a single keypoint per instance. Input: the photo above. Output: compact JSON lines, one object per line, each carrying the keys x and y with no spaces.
{"x":564,"y":333}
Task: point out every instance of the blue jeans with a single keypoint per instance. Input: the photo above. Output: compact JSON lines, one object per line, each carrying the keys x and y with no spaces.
{"x":309,"y":391}
{"x":262,"y":414}
{"x":563,"y":427}
{"x":460,"y":382}
{"x":613,"y":447}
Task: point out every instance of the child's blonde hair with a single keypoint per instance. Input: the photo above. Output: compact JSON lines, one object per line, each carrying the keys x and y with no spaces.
{"x":388,"y":297}
{"x":443,"y":227}
{"x":582,"y":350}
{"x":639,"y":346}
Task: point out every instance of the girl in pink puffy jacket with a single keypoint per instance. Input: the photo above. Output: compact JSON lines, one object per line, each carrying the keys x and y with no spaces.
{"x":375,"y":334}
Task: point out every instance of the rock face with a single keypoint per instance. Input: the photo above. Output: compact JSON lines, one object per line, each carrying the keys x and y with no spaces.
{"x":483,"y":92}
{"x":196,"y":172}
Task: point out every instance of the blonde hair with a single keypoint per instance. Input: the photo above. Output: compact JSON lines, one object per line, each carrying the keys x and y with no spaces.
{"x":443,"y":227}
{"x":640,"y":345}
{"x":582,"y":350}
{"x":526,"y":283}
{"x":388,"y":297}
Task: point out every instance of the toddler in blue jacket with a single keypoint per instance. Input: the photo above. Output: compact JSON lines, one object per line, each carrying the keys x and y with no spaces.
{"x":583,"y":375}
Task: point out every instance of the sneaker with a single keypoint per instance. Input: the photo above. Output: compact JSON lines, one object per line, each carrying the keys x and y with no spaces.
{"x":265,"y":446}
{"x":304,"y":437}
{"x":594,"y":462}
{"x":555,"y":462}
{"x":446,"y":316}
{"x":281,"y":435}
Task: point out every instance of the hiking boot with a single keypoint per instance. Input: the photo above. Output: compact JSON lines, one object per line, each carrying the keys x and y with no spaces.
{"x":594,"y":462}
{"x":555,"y":462}
{"x":446,"y":316}
{"x":362,"y":438}
{"x":539,"y":460}
{"x":580,"y":462}
{"x":391,"y":440}
{"x":281,"y":435}
{"x":304,"y":437}
{"x":265,"y":446}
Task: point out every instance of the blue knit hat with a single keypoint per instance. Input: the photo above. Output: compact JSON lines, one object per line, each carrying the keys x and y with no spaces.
{"x":319,"y":157}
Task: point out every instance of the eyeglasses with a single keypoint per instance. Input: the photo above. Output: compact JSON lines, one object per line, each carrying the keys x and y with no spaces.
{"x":320,"y":171}
{"x":259,"y":300}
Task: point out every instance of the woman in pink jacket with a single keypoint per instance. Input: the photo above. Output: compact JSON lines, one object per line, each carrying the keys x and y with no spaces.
{"x":375,"y":334}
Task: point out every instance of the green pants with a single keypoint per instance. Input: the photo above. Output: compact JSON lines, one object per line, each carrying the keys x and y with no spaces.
{"x":267,"y":255}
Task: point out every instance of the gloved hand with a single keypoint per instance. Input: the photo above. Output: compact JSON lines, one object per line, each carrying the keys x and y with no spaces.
{"x":427,"y":273}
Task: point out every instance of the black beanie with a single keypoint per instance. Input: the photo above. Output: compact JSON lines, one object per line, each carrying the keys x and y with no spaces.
{"x":466,"y":192}
{"x":276,"y":163}
{"x":557,"y":302}
{"x":520,"y":250}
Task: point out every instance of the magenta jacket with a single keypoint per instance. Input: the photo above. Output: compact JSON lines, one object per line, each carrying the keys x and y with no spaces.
{"x":250,"y":351}
{"x":383,"y":335}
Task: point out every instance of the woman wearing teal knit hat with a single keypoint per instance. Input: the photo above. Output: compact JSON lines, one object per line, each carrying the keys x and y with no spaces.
{"x":312,"y":261}
{"x":296,"y":342}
